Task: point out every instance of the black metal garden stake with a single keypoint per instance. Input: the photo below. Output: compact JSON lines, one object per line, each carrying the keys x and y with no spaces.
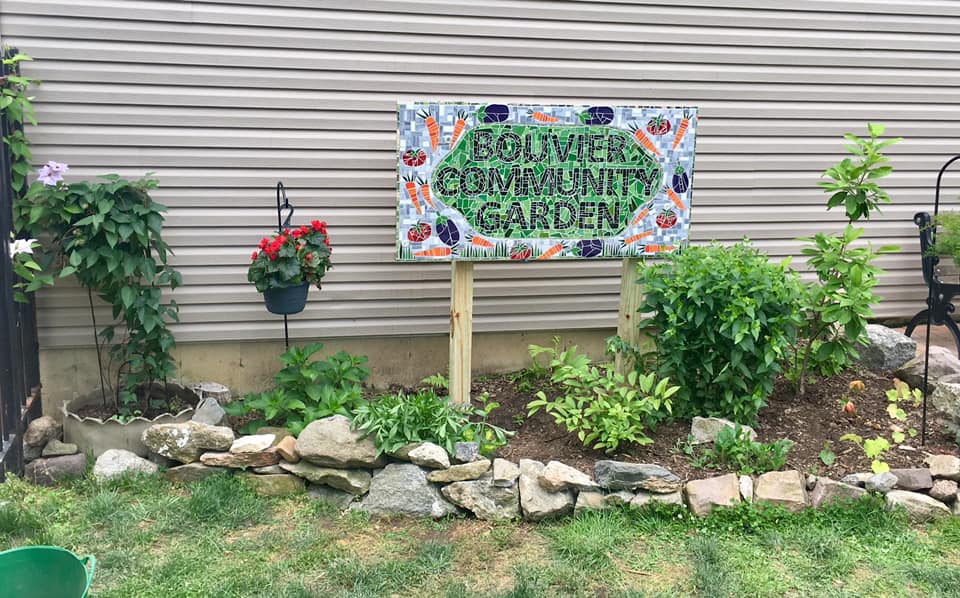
{"x":931,"y":302}
{"x":281,"y":223}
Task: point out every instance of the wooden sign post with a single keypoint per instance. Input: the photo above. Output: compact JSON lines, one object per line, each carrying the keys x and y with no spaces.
{"x":461,"y":331}
{"x":630,"y":297}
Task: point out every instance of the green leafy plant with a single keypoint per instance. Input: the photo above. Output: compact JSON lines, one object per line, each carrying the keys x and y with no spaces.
{"x":397,"y":420}
{"x":735,"y":450}
{"x":827,"y":456}
{"x":722,"y":318}
{"x":307,"y":390}
{"x":837,"y":306}
{"x":604,"y":408}
{"x":874,"y":448}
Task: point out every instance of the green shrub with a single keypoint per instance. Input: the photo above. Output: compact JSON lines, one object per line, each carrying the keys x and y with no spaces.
{"x":603,"y":407}
{"x":306,"y":390}
{"x":397,"y":420}
{"x":733,"y":449}
{"x":723,"y":318}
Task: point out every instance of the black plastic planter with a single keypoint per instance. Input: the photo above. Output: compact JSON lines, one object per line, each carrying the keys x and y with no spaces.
{"x":286,"y":301}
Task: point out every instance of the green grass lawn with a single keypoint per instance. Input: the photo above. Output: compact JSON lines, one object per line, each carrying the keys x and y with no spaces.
{"x":216,"y":538}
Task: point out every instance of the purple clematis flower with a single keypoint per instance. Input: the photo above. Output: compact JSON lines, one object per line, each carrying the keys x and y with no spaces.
{"x":51,"y":173}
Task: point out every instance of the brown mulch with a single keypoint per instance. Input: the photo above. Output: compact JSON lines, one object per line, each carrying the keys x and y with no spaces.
{"x":808,"y":422}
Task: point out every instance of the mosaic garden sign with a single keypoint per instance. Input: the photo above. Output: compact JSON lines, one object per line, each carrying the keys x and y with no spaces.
{"x":532,"y":182}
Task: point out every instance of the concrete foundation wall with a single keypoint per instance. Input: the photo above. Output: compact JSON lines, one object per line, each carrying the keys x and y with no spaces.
{"x":250,"y":366}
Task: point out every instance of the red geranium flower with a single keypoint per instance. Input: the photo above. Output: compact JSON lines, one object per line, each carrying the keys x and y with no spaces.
{"x":254,"y":256}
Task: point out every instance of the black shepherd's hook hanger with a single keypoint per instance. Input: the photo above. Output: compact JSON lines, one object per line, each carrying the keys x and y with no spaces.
{"x":283,"y":222}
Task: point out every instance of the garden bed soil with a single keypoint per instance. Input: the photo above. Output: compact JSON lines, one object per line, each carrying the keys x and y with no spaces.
{"x":173,"y":399}
{"x":807,"y":422}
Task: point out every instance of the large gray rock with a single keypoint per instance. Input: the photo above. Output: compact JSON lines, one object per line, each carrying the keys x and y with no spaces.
{"x":354,"y":481}
{"x":252,"y":444}
{"x":117,"y":462}
{"x":485,"y":500}
{"x":619,"y":475}
{"x":465,"y":452}
{"x":703,"y":495}
{"x":881,"y":482}
{"x":886,"y":349}
{"x":240,"y":460}
{"x":280,"y":484}
{"x":39,"y":432}
{"x":944,"y":490}
{"x":55,"y":448}
{"x":828,"y":491}
{"x":644,"y":498}
{"x":333,"y":442}
{"x":214,"y":390}
{"x":919,"y":507}
{"x":429,"y":455}
{"x":460,"y":473}
{"x":47,"y":472}
{"x":595,"y":500}
{"x":191,"y":472}
{"x":536,"y":502}
{"x":946,"y":399}
{"x":337,"y":498}
{"x":209,"y":411}
{"x":557,"y":476}
{"x":185,"y":442}
{"x":944,"y":466}
{"x":785,"y":488}
{"x":505,"y":473}
{"x":705,"y":429}
{"x":913,"y":479}
{"x":857,"y":479}
{"x":943,"y":362}
{"x":403,"y":489}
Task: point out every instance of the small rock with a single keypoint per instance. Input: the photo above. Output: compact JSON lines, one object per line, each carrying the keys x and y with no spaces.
{"x":459,"y":473}
{"x":643,"y":498}
{"x":287,"y":449}
{"x":208,"y":411}
{"x":332,"y":442}
{"x":946,"y":399}
{"x":505,"y":473}
{"x":269,"y":470}
{"x":116,"y":462}
{"x":213,"y":390}
{"x":252,"y":444}
{"x":944,"y":491}
{"x":705,"y":429}
{"x":827,"y":491}
{"x":47,"y":472}
{"x":881,"y":482}
{"x":278,"y":433}
{"x":403,"y":489}
{"x":594,"y":500}
{"x":557,"y":477}
{"x":919,"y":507}
{"x":943,"y":363}
{"x":886,"y":349}
{"x":857,"y":479}
{"x":811,"y":481}
{"x":240,"y":460}
{"x":785,"y":488}
{"x":465,"y":452}
{"x":355,"y":481}
{"x":429,"y":455}
{"x":485,"y":500}
{"x":185,"y":442}
{"x":338,"y":498}
{"x":618,"y":475}
{"x":913,"y":479}
{"x":746,"y":488}
{"x":55,"y":448}
{"x":537,"y":503}
{"x":703,"y":495}
{"x":944,"y":466}
{"x":39,"y":432}
{"x":191,"y":472}
{"x":282,"y":484}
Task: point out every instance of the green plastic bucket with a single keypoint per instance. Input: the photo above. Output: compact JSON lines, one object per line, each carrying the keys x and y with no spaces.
{"x":45,"y":572}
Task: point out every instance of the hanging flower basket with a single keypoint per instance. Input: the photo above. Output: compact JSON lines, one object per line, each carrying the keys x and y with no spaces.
{"x":286,"y":301}
{"x":285,"y":265}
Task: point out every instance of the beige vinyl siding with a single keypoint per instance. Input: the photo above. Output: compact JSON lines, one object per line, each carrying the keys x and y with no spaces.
{"x":223,"y":98}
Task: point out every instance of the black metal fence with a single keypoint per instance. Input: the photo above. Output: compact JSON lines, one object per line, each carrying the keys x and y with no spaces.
{"x":19,"y":349}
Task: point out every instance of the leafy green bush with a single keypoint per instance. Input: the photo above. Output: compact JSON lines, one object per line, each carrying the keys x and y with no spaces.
{"x":723,"y":319}
{"x":734,"y":449}
{"x":603,"y":407}
{"x":836,"y":307}
{"x":397,"y":420}
{"x":306,"y":390}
